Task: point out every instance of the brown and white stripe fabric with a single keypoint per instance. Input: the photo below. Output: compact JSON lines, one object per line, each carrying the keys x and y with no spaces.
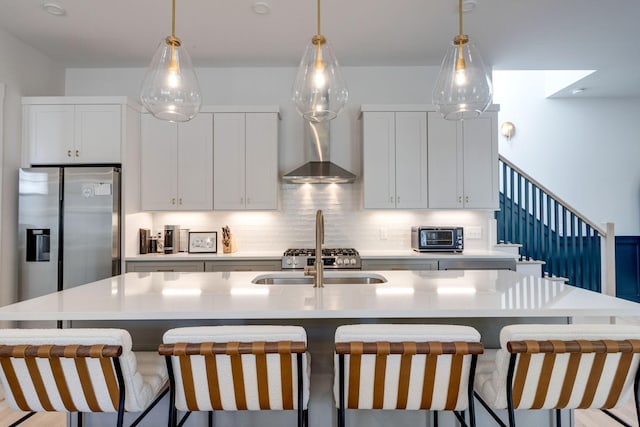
{"x":406,"y":366}
{"x":69,"y":378}
{"x":72,"y":370}
{"x":576,"y":366}
{"x":573,"y":374}
{"x":237,"y":367}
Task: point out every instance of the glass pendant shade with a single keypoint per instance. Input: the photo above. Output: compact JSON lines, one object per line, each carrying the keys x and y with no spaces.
{"x":170,"y":89}
{"x":463,"y":89}
{"x":319,"y":91}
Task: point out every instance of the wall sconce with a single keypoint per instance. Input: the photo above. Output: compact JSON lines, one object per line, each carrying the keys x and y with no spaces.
{"x":508,"y":129}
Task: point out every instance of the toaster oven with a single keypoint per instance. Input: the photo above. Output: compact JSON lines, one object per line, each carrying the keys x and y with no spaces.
{"x":438,"y":239}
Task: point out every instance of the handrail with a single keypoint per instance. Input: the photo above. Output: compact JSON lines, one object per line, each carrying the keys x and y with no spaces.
{"x":600,"y":230}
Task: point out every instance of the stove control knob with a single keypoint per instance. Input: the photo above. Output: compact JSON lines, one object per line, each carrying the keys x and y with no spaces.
{"x":339,"y":261}
{"x":353,"y":261}
{"x":289,"y":261}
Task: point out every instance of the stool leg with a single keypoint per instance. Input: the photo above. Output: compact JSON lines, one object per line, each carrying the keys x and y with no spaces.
{"x":210,"y":419}
{"x":558,"y":418}
{"x":435,"y":418}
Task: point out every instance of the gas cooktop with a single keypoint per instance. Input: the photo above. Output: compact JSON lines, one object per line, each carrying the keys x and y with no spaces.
{"x":331,"y":258}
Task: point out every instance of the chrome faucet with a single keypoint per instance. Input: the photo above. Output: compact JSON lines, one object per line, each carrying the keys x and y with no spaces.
{"x":318,"y":268}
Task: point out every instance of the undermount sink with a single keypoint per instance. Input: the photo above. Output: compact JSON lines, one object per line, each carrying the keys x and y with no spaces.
{"x":330,"y":278}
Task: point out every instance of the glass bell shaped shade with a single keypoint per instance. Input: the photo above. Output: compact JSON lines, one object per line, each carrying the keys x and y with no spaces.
{"x":319,"y":91}
{"x":170,"y":89}
{"x":463,"y":89}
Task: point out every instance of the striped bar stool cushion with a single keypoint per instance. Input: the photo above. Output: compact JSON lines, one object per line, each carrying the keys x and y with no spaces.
{"x":562,"y":366}
{"x":406,"y":366}
{"x":237,"y":367}
{"x":72,"y":370}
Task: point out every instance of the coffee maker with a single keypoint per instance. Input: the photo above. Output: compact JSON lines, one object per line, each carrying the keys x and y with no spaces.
{"x":171,"y":239}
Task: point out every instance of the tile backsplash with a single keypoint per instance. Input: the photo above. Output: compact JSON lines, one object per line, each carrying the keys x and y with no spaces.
{"x":347,"y":224}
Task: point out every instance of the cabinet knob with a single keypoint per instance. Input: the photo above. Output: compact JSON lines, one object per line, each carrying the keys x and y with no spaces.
{"x":77,"y":153}
{"x":68,"y":153}
{"x":241,"y":200}
{"x":398,"y":200}
{"x":459,"y":199}
{"x":173,"y":201}
{"x":390,"y":199}
{"x":466,"y":199}
{"x":248,"y":200}
{"x":180,"y":201}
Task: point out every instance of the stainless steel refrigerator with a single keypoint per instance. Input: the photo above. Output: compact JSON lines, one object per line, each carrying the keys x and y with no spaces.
{"x":69,"y":227}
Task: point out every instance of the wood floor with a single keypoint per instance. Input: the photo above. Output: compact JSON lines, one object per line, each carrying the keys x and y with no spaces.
{"x":584,"y":418}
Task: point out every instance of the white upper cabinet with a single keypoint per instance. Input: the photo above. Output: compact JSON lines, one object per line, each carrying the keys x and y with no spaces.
{"x":177,"y":164}
{"x":395,"y":159}
{"x":245,"y":161}
{"x":463,"y":162}
{"x":67,"y":133}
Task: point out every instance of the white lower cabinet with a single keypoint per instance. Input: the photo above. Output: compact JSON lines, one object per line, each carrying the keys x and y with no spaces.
{"x":177,"y":164}
{"x":165,"y":266}
{"x":395,"y":159}
{"x":463,"y":162}
{"x":245,"y":161}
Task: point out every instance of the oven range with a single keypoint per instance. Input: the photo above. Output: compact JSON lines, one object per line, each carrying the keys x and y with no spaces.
{"x":342,"y":258}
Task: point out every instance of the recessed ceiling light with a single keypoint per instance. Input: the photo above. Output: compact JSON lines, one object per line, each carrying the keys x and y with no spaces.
{"x":54,"y":9}
{"x":261,"y":8}
{"x":578,"y":90}
{"x":469,"y":5}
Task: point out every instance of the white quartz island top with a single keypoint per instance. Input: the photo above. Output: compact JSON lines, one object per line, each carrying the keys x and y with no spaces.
{"x":405,"y":294}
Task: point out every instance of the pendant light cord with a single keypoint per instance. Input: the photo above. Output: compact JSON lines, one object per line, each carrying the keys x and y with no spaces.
{"x":318,"y":13}
{"x":173,"y":19}
{"x":459,"y":16}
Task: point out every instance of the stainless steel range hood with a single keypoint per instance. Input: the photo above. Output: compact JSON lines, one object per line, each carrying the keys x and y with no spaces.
{"x":318,"y":170}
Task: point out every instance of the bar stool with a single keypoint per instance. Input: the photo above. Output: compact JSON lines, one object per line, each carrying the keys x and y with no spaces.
{"x":220,"y":368}
{"x":79,"y":370}
{"x":393,"y":366}
{"x":561,"y":367}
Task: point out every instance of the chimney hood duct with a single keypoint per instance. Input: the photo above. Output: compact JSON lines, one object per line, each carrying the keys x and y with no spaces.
{"x":319,"y":170}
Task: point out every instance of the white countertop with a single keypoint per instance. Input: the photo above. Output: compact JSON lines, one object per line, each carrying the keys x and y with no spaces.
{"x":406,"y":294}
{"x":366,"y":254}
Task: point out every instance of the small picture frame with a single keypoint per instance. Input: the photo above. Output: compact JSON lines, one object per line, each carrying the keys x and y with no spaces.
{"x":203,"y":242}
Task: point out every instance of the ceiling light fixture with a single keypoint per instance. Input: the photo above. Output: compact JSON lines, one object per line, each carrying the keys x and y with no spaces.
{"x":170,"y":89}
{"x":463,"y":88}
{"x":54,"y":9}
{"x":319,"y":91}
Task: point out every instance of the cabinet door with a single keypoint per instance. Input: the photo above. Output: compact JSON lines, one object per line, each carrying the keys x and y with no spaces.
{"x":50,"y":133}
{"x":195,"y":163}
{"x":481,"y":162}
{"x":379,"y":160}
{"x":261,"y":156}
{"x":97,"y":133}
{"x":229,"y":161}
{"x":158,"y":166}
{"x":411,"y":160}
{"x":444,"y":163}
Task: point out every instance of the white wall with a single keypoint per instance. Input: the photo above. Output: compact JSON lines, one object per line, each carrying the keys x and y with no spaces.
{"x":26,"y":72}
{"x":586,"y":150}
{"x":292,"y":226}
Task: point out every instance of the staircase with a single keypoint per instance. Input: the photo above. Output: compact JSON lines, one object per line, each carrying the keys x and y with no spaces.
{"x":551,"y":231}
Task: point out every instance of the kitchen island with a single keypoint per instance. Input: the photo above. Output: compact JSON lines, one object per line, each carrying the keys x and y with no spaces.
{"x":149,"y":303}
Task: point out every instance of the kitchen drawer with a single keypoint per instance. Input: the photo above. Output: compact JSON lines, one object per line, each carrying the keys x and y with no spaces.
{"x":240,"y":265}
{"x":149,"y":266}
{"x":478,"y":264}
{"x":399,"y":264}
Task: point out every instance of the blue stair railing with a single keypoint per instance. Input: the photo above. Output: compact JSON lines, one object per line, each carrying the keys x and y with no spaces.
{"x":549,"y":230}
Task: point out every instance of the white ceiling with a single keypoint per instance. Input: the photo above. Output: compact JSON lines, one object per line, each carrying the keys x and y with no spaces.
{"x":511,"y":34}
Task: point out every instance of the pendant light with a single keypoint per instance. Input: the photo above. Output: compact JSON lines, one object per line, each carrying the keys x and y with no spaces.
{"x":319,"y":91}
{"x":170,"y":89}
{"x":463,"y":88}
